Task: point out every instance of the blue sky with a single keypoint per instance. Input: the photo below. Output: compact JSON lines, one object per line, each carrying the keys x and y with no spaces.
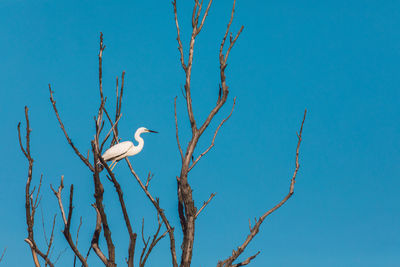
{"x":338,"y":59}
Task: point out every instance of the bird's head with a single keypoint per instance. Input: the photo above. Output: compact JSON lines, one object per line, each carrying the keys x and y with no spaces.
{"x":144,"y":130}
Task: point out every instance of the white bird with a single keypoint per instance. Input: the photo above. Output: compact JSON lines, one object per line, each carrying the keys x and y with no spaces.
{"x":125,"y":149}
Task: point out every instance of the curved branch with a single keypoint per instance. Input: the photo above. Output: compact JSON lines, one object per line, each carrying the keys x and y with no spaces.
{"x":85,"y":160}
{"x":254,"y":230}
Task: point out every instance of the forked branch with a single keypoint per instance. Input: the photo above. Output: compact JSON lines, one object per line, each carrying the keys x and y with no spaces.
{"x":147,"y":249}
{"x":215,"y":135}
{"x":67,"y":219}
{"x":186,"y":208}
{"x":160,"y":211}
{"x":30,"y":204}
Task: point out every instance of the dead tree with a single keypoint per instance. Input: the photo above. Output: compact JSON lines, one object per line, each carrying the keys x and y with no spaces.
{"x":187,"y":210}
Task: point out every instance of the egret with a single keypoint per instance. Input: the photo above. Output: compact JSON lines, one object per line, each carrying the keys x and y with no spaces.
{"x":125,"y":149}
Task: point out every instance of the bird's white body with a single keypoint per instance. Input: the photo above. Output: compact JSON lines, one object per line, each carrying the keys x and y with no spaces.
{"x":126,"y":149}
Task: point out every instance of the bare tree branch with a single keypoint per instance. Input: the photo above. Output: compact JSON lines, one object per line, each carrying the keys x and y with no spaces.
{"x":204,"y":16}
{"x":2,"y":254}
{"x":196,"y":15}
{"x":51,"y":237}
{"x":186,"y":208}
{"x":215,"y":135}
{"x":99,"y":191}
{"x":67,"y":226}
{"x":30,"y":206}
{"x":58,"y":196}
{"x":101,"y":49}
{"x":176,"y":131}
{"x":205,"y":204}
{"x":96,"y":236}
{"x":118,"y":108}
{"x":112,"y":129}
{"x":247,"y":261}
{"x":132,"y":236}
{"x":149,"y":177}
{"x":67,"y":219}
{"x":98,"y":186}
{"x":256,"y":227}
{"x":77,"y":237}
{"x":160,"y":211}
{"x":153,"y":243}
{"x":84,"y":160}
{"x":232,"y":41}
{"x":178,"y":38}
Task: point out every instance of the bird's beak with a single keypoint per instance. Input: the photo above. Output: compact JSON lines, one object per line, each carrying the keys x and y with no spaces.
{"x":150,"y":131}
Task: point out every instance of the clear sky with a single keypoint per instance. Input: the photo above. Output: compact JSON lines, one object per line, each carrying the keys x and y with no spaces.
{"x":338,"y":59}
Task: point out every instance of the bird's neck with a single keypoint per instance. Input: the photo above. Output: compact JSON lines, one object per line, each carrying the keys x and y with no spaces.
{"x":140,"y":141}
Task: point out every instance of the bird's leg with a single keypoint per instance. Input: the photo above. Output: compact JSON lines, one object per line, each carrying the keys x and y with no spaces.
{"x":115,"y":163}
{"x":111,"y":165}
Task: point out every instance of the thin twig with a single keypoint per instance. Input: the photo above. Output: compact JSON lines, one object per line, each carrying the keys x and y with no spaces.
{"x":77,"y":237}
{"x":215,"y":135}
{"x":44,"y":228}
{"x":2,"y":254}
{"x":178,"y":38}
{"x":153,"y":243}
{"x":118,"y":108}
{"x":58,"y":196}
{"x":84,"y":160}
{"x":176,"y":131}
{"x":109,"y":132}
{"x":67,"y":226}
{"x":149,"y":177}
{"x":205,"y":204}
{"x":60,"y":254}
{"x":204,"y":17}
{"x":112,"y":127}
{"x":223,"y":59}
{"x":51,"y":236}
{"x":247,"y":261}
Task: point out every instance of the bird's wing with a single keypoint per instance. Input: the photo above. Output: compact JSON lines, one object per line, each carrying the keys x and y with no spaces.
{"x":117,"y":150}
